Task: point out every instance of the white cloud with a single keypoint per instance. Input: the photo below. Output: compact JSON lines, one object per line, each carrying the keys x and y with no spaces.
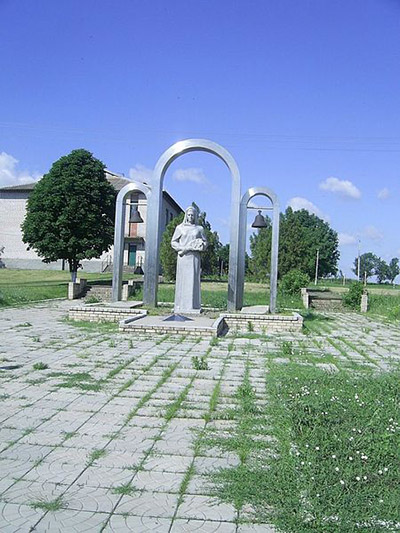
{"x":343,"y":188}
{"x":346,"y":239}
{"x":298,"y":203}
{"x":9,"y":175}
{"x":195,"y":175}
{"x":140,"y":173}
{"x":383,"y":193}
{"x":371,"y":232}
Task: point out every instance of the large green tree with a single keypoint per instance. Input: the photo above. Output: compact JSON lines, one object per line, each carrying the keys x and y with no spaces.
{"x":301,"y":235}
{"x":394,"y":269}
{"x":368,"y":265}
{"x":209,"y":258}
{"x":70,"y":213}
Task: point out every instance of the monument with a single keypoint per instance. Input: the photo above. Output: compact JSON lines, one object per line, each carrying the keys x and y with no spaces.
{"x":189,"y":240}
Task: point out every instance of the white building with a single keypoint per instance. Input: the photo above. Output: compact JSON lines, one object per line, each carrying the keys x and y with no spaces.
{"x":16,"y":255}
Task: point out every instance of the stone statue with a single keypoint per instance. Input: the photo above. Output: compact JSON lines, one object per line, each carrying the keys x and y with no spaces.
{"x":188,"y":240}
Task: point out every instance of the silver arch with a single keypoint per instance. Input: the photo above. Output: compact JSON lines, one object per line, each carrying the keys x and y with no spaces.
{"x":261,"y":191}
{"x":119,"y":234}
{"x":153,"y":231}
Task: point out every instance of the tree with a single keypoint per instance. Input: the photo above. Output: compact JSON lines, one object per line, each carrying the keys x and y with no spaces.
{"x":223,"y":256}
{"x":70,"y":213}
{"x":301,"y":235}
{"x":393,"y":269}
{"x":381,"y":270}
{"x":368,"y":264}
{"x":168,"y":256}
{"x":209,"y":258}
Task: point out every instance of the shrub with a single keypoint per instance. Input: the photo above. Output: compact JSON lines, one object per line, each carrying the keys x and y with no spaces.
{"x":352,"y":298}
{"x":293,"y":281}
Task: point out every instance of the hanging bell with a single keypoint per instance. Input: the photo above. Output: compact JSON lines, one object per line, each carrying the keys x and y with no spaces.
{"x":135,"y":215}
{"x":259,"y":221}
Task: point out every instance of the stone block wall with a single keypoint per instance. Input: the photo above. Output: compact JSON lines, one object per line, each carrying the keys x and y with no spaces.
{"x":93,"y":313}
{"x":248,"y":323}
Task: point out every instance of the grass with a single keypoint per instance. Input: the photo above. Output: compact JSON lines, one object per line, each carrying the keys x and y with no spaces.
{"x":200,"y":362}
{"x":387,"y":306}
{"x":95,"y":455}
{"x":333,"y":463}
{"x":40,"y":366}
{"x":78,"y":380}
{"x":125,"y":489}
{"x":51,"y":505}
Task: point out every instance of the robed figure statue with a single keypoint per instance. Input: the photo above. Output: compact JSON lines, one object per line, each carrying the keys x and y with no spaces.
{"x":188,"y":240}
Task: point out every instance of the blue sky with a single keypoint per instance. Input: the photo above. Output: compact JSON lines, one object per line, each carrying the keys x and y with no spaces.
{"x":305,"y":94}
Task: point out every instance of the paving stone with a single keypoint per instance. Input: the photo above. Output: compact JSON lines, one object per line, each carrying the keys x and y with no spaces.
{"x":139,"y":524}
{"x":71,"y":520}
{"x":204,"y":526}
{"x":206,"y":508}
{"x":16,"y":517}
{"x":154,"y":504}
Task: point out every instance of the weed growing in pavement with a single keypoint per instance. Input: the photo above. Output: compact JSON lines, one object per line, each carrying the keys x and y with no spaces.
{"x":23,"y":325}
{"x":52,"y":505}
{"x":174,"y":407}
{"x":40,"y":366}
{"x":79,"y":380}
{"x":250,"y":327}
{"x":200,"y":363}
{"x":125,"y":489}
{"x":130,"y":344}
{"x":36,"y":338}
{"x":95,"y":455}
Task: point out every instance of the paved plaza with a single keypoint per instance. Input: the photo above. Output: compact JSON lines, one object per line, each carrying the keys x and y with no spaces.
{"x":106,"y":437}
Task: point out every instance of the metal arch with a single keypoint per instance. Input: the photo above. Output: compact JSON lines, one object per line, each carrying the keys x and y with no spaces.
{"x":153,"y":230}
{"x":261,"y":191}
{"x":119,"y":234}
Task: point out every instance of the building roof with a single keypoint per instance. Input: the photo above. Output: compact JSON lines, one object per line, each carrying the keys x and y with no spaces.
{"x":116,"y":181}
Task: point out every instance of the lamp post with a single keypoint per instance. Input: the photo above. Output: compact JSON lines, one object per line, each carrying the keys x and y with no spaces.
{"x":316,"y":268}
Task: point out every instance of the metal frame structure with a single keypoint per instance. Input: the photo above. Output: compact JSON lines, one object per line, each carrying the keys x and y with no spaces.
{"x":119,"y":234}
{"x":251,"y":193}
{"x":153,"y":230}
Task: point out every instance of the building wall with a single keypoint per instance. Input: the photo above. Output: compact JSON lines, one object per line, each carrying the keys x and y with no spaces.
{"x":16,"y":254}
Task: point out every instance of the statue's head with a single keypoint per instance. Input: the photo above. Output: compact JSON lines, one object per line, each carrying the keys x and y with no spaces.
{"x":191,"y":215}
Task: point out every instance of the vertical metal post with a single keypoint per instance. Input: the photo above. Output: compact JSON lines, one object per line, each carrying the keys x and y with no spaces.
{"x":274,"y":257}
{"x":119,"y":231}
{"x":316,"y":268}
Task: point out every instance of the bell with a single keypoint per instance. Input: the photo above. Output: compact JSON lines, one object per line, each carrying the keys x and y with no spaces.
{"x":135,"y":215}
{"x":259,"y":221}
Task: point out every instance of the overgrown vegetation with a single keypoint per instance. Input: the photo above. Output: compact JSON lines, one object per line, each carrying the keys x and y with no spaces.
{"x":333,"y":463}
{"x":352,"y":298}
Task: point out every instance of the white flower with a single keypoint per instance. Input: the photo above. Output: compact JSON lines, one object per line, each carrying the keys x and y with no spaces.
{"x":317,"y":447}
{"x":364,"y":477}
{"x":341,"y":482}
{"x":385,"y":469}
{"x":333,"y":456}
{"x":350,"y":458}
{"x":380,"y":472}
{"x":337,"y":469}
{"x":358,"y":478}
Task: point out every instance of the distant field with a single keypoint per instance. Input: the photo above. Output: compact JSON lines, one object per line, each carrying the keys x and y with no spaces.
{"x":22,"y":286}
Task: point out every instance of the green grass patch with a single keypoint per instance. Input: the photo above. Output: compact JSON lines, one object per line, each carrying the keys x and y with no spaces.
{"x":95,"y":455}
{"x":384,"y":305}
{"x":78,"y":380}
{"x":49,"y":505}
{"x":336,"y":453}
{"x":125,"y":489}
{"x":40,"y":366}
